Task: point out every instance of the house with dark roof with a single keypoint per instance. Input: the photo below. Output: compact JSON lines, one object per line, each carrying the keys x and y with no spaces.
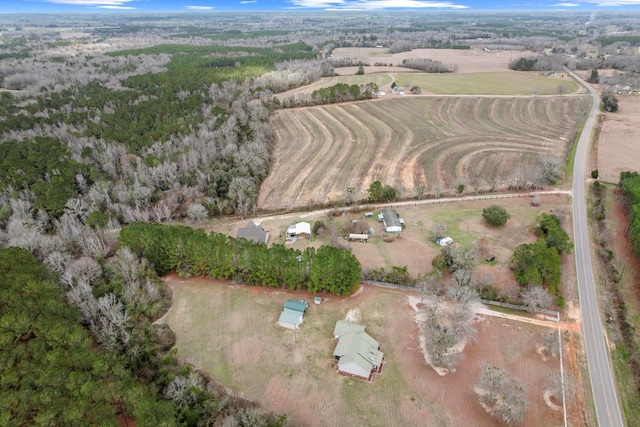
{"x":253,"y":232}
{"x":391,"y":220}
{"x":357,"y":353}
{"x":293,"y":313}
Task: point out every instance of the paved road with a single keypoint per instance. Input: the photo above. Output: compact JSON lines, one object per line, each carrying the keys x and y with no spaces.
{"x":600,"y":372}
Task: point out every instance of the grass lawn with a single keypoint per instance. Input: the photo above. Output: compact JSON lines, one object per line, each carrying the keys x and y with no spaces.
{"x":230,"y":332}
{"x":498,"y":83}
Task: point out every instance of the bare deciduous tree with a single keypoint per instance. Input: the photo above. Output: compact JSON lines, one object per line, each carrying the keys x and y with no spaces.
{"x":501,"y":395}
{"x":536,"y":297}
{"x":197,"y":213}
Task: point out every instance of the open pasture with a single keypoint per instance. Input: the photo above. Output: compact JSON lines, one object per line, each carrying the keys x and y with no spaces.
{"x":467,"y":60}
{"x":494,"y":83}
{"x":231,"y":333}
{"x":618,"y":149}
{"x":407,"y":142}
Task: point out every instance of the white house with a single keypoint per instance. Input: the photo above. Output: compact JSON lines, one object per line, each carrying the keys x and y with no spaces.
{"x":299,"y":229}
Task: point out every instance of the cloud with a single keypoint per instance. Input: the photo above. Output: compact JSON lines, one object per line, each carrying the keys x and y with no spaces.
{"x":105,"y":4}
{"x":566,"y":5}
{"x":612,"y":3}
{"x":247,"y":1}
{"x":375,"y":4}
{"x":199,"y":7}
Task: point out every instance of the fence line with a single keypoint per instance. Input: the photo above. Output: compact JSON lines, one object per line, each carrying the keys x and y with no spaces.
{"x":554,"y":313}
{"x":389,"y":285}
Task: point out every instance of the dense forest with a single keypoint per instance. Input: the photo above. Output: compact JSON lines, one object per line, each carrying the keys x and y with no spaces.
{"x":52,"y":373}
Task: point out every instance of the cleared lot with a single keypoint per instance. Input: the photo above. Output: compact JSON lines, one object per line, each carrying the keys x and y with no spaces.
{"x":231,"y":333}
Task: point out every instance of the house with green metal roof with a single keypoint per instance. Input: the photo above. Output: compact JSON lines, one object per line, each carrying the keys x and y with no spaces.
{"x":293,"y":313}
{"x":357,"y":353}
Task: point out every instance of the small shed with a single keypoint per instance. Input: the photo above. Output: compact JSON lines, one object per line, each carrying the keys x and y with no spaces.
{"x":293,"y":314}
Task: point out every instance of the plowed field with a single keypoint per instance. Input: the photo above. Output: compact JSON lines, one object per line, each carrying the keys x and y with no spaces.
{"x":406,"y":142}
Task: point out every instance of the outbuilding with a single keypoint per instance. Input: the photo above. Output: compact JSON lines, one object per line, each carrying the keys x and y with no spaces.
{"x":293,"y":313}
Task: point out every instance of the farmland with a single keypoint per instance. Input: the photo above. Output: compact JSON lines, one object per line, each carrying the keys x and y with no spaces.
{"x":617,"y":148}
{"x":408,"y":142}
{"x":473,"y":60}
{"x":495,"y":83}
{"x":486,"y":83}
{"x":231,"y":332}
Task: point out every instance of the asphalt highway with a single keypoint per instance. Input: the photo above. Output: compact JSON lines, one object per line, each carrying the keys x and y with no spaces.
{"x":605,"y":396}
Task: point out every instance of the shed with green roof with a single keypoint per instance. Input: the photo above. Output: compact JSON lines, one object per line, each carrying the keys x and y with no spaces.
{"x":293,"y":313}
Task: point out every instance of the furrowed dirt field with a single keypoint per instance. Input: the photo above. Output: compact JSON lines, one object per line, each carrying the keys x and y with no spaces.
{"x":231,"y":333}
{"x":407,"y":142}
{"x":618,"y":149}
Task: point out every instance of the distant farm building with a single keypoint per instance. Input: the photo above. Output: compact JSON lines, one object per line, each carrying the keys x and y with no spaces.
{"x":253,"y":232}
{"x":299,"y":230}
{"x":391,"y":220}
{"x":293,"y":313}
{"x":358,"y":354}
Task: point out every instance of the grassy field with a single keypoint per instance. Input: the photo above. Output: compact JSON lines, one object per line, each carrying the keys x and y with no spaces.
{"x":406,"y":142}
{"x":231,"y":333}
{"x":496,"y":83}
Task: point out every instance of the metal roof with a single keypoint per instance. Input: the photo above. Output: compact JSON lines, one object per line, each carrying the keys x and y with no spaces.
{"x":297,"y":305}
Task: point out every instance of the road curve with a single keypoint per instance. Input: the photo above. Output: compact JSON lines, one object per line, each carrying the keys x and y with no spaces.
{"x":603,"y":385}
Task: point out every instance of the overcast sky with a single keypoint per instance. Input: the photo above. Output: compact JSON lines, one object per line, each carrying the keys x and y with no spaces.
{"x":39,"y":6}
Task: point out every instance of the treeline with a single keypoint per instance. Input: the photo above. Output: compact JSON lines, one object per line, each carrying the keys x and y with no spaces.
{"x":617,"y":313}
{"x":539,"y":264}
{"x":342,"y":92}
{"x":538,"y":63}
{"x":191,"y":252}
{"x":630,"y":186}
{"x":428,"y":65}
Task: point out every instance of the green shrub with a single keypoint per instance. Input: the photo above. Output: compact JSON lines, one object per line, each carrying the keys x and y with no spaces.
{"x":495,"y":215}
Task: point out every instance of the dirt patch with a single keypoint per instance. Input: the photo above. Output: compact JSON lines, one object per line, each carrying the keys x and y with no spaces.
{"x":618,"y":149}
{"x":295,"y":374}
